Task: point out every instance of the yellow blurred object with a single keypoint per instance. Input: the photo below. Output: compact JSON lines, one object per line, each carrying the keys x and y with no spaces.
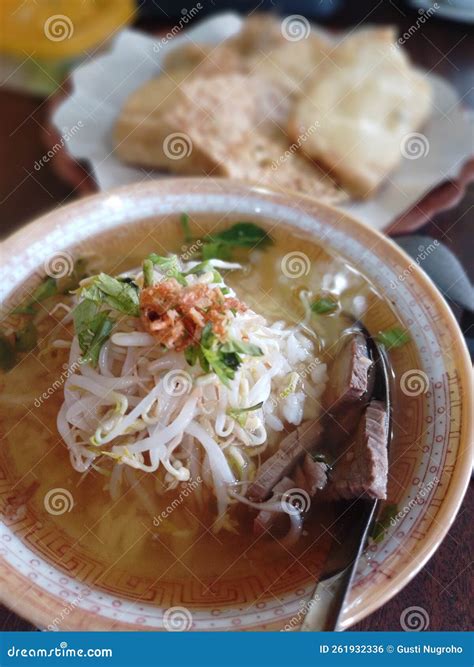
{"x":59,"y":29}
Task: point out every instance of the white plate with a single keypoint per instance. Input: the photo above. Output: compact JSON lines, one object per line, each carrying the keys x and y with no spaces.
{"x":102,"y":85}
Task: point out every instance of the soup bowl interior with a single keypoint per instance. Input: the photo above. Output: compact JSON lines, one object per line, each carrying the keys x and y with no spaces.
{"x":72,"y":559}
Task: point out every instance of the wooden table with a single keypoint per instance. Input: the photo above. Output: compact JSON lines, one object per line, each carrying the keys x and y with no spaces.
{"x":443,"y":586}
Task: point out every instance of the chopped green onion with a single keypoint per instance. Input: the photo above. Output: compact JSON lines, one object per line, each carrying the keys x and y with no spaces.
{"x":235,"y":413}
{"x":216,"y":250}
{"x":241,"y":348}
{"x":222,"y":358}
{"x":291,"y":388}
{"x":119,"y":295}
{"x":202,"y":267}
{"x":7,"y":353}
{"x":382,"y":524}
{"x":44,"y":291}
{"x":148,"y":273}
{"x":224,"y":366}
{"x":92,"y":328}
{"x":26,"y":338}
{"x":79,"y":272}
{"x":392,"y":338}
{"x":324,"y":305}
{"x":241,"y":235}
{"x":191,"y":354}
{"x":185,"y":227}
{"x":169,"y":266}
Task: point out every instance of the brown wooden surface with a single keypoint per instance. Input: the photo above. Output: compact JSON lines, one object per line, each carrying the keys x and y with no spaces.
{"x":444,"y":586}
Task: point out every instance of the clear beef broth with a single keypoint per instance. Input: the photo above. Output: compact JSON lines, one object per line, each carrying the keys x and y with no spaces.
{"x":122,"y":535}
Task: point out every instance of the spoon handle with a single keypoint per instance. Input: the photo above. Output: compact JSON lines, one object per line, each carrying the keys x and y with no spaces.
{"x":326,"y":604}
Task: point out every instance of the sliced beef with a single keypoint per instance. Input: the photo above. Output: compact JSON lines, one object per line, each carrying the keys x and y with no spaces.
{"x":267,"y":519}
{"x":362,"y":470}
{"x":311,"y":475}
{"x":348,"y":392}
{"x":349,"y":388}
{"x":350,"y":371}
{"x":291,"y":450}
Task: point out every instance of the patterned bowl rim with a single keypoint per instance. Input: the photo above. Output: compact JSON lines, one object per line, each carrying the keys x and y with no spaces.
{"x":36,"y":603}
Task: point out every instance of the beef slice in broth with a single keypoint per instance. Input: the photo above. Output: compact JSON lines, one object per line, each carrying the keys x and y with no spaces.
{"x":349,"y":389}
{"x":362,"y":469}
{"x":291,"y":451}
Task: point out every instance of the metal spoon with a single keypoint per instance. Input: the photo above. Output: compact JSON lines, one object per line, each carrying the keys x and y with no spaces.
{"x":329,"y":596}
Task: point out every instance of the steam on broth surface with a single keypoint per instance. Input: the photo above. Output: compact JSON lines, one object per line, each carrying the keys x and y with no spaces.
{"x":154,"y":527}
